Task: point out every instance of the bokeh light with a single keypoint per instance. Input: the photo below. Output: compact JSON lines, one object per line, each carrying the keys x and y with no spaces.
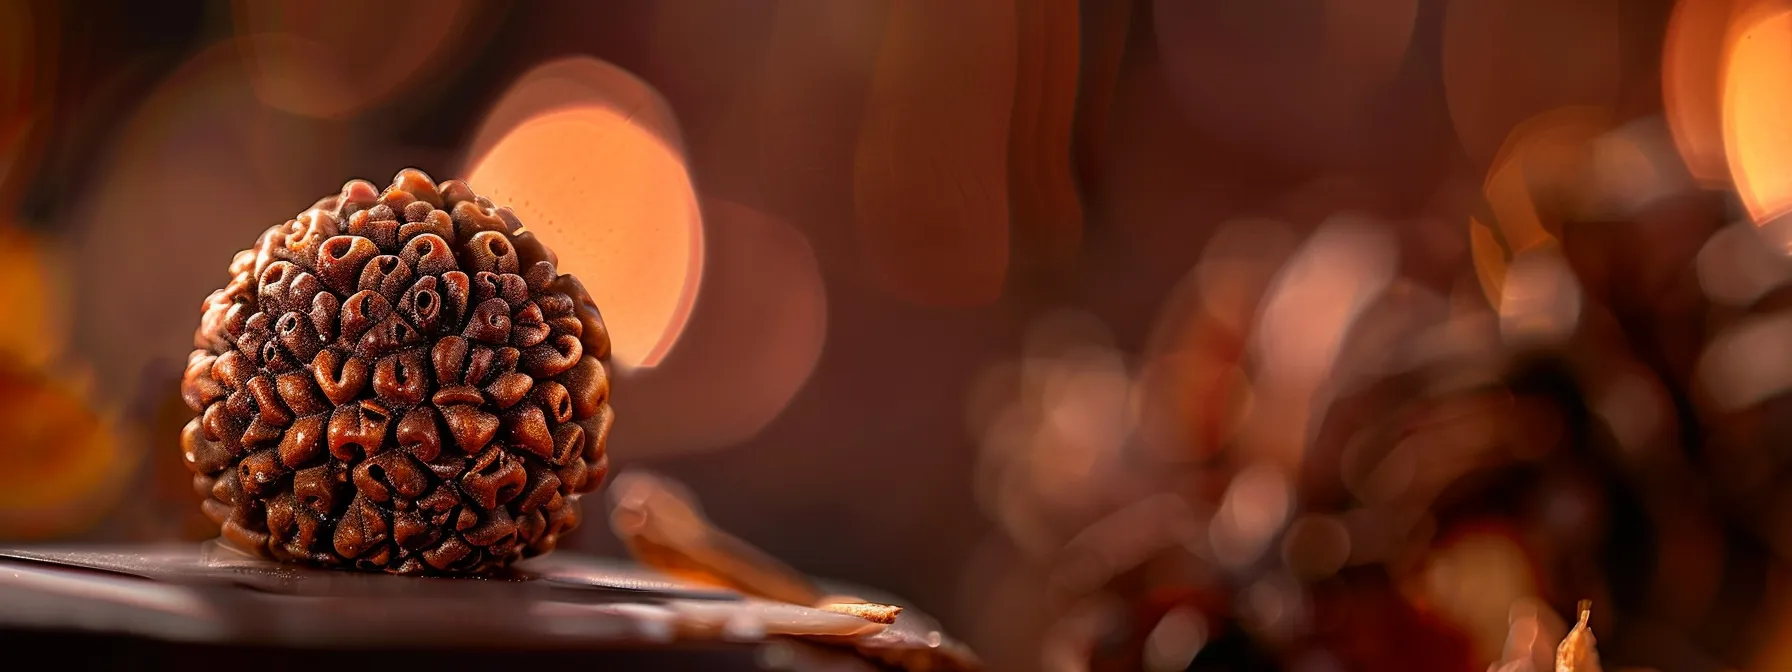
{"x":589,"y":158}
{"x":1307,"y":312}
{"x":1738,"y":265}
{"x":1533,"y":180}
{"x":1745,"y":364}
{"x":753,"y":339}
{"x":1757,"y":100}
{"x":201,"y":168}
{"x":36,"y":299}
{"x":1540,"y":299}
{"x":1196,"y":390}
{"x":1692,"y":77}
{"x":1057,"y":425}
{"x":62,"y":463}
{"x":336,"y":58}
{"x":1474,"y":580}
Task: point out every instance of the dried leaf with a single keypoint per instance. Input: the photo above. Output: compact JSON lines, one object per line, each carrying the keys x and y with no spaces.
{"x":1577,"y":652}
{"x":664,"y":528}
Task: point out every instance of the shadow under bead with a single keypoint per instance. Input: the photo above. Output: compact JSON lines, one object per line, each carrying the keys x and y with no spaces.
{"x":398,"y":380}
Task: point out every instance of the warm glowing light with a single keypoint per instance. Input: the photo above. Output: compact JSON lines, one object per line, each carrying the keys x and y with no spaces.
{"x":1175,"y":640}
{"x":589,"y":170}
{"x":1544,"y":157}
{"x":1540,"y":300}
{"x":61,"y":464}
{"x":1737,"y":265}
{"x":1692,"y":84}
{"x":1757,"y":101}
{"x":751,"y":344}
{"x":1308,"y":310}
{"x":1474,"y":580}
{"x":1748,"y":363}
{"x":1252,"y":511}
{"x":33,"y":330}
{"x":1316,"y":298}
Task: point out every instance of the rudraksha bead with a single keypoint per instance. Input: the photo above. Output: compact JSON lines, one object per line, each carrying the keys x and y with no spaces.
{"x":399,"y":381}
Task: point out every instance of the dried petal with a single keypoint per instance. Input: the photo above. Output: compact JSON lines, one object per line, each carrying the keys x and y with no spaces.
{"x":1578,"y":652}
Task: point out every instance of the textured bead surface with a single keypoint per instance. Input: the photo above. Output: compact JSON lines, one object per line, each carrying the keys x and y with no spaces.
{"x":399,"y":381}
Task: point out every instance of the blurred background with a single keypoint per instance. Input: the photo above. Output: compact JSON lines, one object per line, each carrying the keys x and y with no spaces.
{"x":1177,"y":334}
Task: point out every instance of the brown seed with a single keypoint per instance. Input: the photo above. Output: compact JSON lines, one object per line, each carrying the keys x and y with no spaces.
{"x":554,"y":400}
{"x":321,"y":488}
{"x":298,"y":336}
{"x":538,"y":274}
{"x":541,"y":486}
{"x":377,"y":224}
{"x":470,"y":218}
{"x":397,"y":380}
{"x":569,"y":441}
{"x":357,"y":429}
